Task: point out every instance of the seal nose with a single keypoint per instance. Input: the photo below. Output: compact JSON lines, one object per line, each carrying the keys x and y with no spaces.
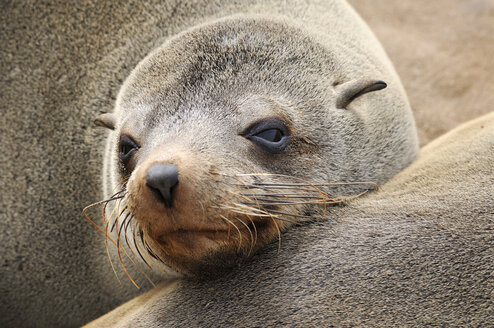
{"x":161,"y":178}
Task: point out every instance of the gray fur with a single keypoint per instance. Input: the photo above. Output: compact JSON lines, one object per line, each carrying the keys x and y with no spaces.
{"x":417,"y":253}
{"x":190,"y":100}
{"x":62,"y":65}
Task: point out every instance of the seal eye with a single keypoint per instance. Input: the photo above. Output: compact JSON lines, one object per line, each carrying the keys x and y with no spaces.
{"x":127,"y":147}
{"x":270,"y":135}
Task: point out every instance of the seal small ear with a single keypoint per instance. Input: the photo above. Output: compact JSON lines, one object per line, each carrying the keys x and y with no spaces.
{"x":106,"y":120}
{"x":348,"y":91}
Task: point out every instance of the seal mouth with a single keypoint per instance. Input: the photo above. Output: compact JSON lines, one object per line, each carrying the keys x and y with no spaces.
{"x":239,"y":239}
{"x":206,"y":251}
{"x":253,"y":227}
{"x":186,"y":233}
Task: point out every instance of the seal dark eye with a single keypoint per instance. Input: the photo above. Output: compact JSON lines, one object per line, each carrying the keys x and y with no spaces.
{"x":127,"y":147}
{"x":270,"y":135}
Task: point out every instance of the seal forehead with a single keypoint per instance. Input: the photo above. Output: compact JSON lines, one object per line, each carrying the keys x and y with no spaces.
{"x":218,"y":61}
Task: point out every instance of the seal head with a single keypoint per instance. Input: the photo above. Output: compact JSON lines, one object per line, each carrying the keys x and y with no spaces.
{"x":223,"y":136}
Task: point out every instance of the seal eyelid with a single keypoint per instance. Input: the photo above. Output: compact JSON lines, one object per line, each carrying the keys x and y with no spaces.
{"x":271,"y":135}
{"x":126,"y":148}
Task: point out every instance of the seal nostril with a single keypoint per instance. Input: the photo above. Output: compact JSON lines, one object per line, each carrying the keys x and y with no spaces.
{"x":161,"y":179}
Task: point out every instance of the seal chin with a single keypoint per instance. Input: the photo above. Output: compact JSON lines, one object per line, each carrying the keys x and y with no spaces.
{"x":191,"y":241}
{"x":201,"y":252}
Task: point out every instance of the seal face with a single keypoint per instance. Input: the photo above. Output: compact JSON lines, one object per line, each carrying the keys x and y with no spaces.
{"x":225,"y":135}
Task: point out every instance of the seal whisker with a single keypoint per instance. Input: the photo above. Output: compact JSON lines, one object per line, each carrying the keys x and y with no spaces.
{"x":281,"y":184}
{"x":109,"y":219}
{"x":297,"y":196}
{"x":137,"y":246}
{"x":354,"y":196}
{"x":304,"y":182}
{"x":147,"y":247}
{"x":286,"y":213}
{"x":307,"y":194}
{"x":118,"y":245}
{"x":239,"y":195}
{"x":119,"y":233}
{"x":117,"y":196}
{"x":313,"y":188}
{"x":272,"y":203}
{"x":151,"y":256}
{"x":257,"y":210}
{"x":138,"y":267}
{"x":117,"y":217}
{"x":335,"y":184}
{"x":151,"y":252}
{"x":107,"y":222}
{"x":96,"y":204}
{"x":239,"y":233}
{"x":255,"y":229}
{"x":278,"y":187}
{"x":250,"y":233}
{"x":126,"y":235}
{"x":283,"y":201}
{"x":263,"y":213}
{"x":278,"y":231}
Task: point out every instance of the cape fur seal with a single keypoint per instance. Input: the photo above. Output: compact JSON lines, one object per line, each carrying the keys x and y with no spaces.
{"x":416,"y":253}
{"x":61,"y":65}
{"x":216,"y":152}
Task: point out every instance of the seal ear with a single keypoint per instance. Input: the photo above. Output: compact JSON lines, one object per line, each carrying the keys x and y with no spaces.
{"x":348,"y":91}
{"x":106,"y":120}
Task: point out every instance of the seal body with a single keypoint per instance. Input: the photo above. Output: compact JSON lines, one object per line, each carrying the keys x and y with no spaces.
{"x":223,"y":116}
{"x":418,"y":252}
